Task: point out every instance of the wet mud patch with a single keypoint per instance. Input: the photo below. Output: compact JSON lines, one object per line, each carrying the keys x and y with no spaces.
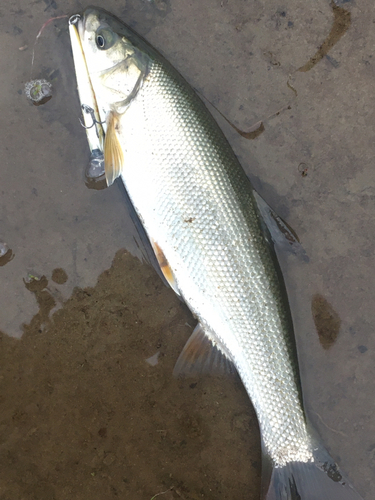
{"x":327,"y":321}
{"x":340,"y":25}
{"x":84,"y":415}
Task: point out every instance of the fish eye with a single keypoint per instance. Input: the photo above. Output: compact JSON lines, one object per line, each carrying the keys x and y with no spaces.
{"x":105,"y":38}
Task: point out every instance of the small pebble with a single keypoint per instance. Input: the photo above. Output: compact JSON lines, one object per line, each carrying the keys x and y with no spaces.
{"x":3,"y":248}
{"x":153,"y":360}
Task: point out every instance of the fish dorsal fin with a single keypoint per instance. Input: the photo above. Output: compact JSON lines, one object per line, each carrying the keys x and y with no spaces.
{"x":203,"y":353}
{"x":281,"y":233}
{"x":165,"y":267}
{"x":113,"y":154}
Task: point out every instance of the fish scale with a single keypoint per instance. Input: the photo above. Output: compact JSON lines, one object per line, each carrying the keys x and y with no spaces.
{"x":200,"y":212}
{"x":231,"y":267}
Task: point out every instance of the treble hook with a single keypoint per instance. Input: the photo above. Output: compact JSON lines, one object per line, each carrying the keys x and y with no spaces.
{"x":87,"y":109}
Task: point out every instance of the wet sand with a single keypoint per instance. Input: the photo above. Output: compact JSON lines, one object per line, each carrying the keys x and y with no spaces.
{"x":84,"y":414}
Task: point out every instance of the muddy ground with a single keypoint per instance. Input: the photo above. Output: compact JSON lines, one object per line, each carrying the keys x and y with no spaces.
{"x":85,"y":415}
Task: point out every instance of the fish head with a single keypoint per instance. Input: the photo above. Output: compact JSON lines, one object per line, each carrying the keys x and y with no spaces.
{"x":116,"y":66}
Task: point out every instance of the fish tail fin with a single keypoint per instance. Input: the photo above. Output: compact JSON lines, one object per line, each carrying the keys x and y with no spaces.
{"x":320,"y":479}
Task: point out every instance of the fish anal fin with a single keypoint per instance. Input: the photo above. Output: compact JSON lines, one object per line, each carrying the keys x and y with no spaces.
{"x":164,"y":266}
{"x":203,"y":353}
{"x":113,"y":153}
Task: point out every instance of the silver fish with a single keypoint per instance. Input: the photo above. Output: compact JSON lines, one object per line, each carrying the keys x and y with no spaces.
{"x":203,"y":220}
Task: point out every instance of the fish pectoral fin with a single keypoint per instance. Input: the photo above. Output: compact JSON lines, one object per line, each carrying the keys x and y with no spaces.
{"x":165,"y":267}
{"x":113,"y":153}
{"x":281,"y":233}
{"x":203,"y":353}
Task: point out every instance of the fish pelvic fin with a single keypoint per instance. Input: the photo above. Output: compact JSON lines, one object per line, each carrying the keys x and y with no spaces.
{"x":203,"y":353}
{"x":320,"y":479}
{"x":113,"y":154}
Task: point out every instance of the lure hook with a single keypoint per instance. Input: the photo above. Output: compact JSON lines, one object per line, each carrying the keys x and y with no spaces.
{"x":87,"y":109}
